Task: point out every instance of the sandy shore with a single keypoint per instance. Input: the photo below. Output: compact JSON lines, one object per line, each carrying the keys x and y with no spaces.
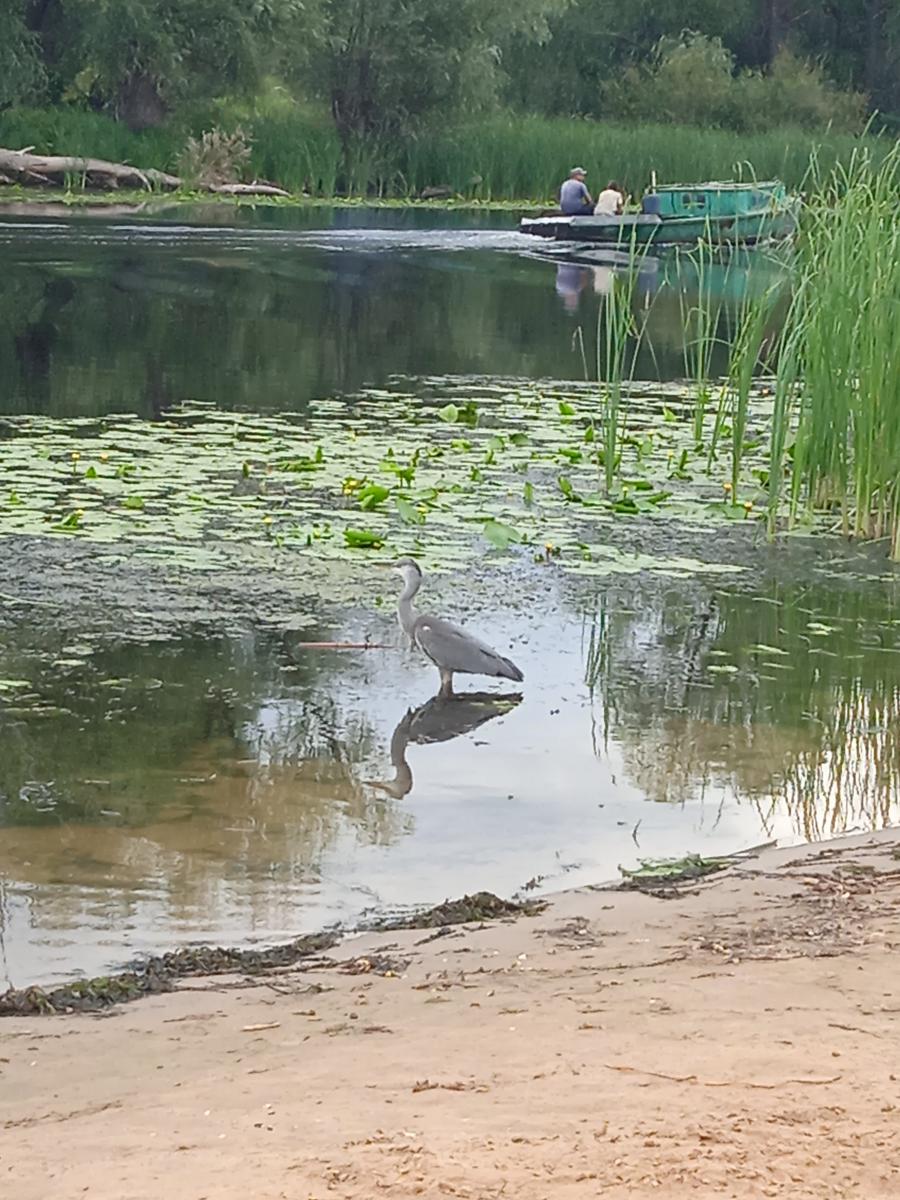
{"x":741,"y":1040}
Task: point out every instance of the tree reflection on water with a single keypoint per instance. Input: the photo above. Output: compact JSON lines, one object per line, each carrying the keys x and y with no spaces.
{"x":791,"y":698}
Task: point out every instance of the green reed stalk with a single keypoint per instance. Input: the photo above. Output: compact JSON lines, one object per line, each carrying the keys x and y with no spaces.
{"x":618,"y":342}
{"x":700,"y":322}
{"x":786,"y":379}
{"x":744,"y":361}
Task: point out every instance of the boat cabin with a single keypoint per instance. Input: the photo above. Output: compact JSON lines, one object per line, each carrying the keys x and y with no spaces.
{"x":712,"y":199}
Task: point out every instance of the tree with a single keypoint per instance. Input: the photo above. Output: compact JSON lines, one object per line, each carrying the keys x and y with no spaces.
{"x":21,"y":72}
{"x":692,"y":80}
{"x":143,"y":57}
{"x":386,"y":66}
{"x":859,"y":40}
{"x":777,"y":20}
{"x":591,"y":41}
{"x":689,"y":81}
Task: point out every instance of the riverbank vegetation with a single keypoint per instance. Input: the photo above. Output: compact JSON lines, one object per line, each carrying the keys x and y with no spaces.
{"x":505,"y":157}
{"x":483,"y":97}
{"x":832,"y":437}
{"x":836,"y":371}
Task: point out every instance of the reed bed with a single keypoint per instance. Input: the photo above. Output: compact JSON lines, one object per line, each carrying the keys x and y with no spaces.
{"x":298,"y":149}
{"x":501,"y":157}
{"x":514,"y":157}
{"x":838,"y":369}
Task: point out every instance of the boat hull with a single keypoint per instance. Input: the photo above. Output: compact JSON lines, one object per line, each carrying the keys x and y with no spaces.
{"x":744,"y":229}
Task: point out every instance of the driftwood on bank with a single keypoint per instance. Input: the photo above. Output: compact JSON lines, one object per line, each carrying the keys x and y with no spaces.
{"x":56,"y":170}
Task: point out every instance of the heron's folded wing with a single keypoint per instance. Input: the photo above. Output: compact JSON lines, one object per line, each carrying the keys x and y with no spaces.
{"x":453,"y":648}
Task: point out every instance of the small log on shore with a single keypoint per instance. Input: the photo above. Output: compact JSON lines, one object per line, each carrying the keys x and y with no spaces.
{"x":246,"y":189}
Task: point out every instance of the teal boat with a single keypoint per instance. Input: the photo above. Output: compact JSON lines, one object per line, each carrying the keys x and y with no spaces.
{"x":741,"y":214}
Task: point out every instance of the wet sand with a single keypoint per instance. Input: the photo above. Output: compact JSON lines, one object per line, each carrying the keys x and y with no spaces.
{"x":739,"y":1038}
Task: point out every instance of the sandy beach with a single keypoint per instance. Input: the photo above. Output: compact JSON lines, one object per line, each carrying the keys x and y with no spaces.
{"x":735,"y":1038}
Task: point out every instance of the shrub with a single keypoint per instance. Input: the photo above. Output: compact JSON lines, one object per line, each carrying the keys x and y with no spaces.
{"x":797,"y":92}
{"x":691,"y":80}
{"x":215,"y":157}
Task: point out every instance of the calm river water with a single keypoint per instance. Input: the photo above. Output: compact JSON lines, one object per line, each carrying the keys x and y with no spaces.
{"x":230,"y":786}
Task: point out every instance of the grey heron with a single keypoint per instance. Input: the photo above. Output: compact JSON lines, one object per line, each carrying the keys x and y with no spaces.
{"x":451,"y":649}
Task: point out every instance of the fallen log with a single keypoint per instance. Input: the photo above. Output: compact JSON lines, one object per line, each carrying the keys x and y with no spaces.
{"x":57,"y":170}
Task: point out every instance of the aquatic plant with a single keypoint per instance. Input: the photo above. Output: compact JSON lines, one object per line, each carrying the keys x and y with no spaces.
{"x":746,"y":356}
{"x":700,"y":320}
{"x":328,"y":484}
{"x":837,"y":377}
{"x":618,"y":342}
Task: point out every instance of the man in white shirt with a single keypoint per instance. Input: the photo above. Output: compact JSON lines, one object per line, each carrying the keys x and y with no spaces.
{"x":610,"y":202}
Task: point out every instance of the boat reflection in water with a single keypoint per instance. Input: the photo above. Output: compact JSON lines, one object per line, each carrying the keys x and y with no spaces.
{"x":595,"y":272}
{"x":439,"y":720}
{"x":667,"y":292}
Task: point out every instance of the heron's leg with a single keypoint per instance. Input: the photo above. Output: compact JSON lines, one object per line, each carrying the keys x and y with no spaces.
{"x":446,"y":691}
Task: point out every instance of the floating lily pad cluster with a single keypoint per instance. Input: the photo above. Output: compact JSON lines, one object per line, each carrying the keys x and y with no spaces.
{"x":450,"y":469}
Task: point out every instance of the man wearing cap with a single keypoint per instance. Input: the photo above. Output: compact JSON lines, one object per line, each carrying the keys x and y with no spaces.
{"x":574,"y":198}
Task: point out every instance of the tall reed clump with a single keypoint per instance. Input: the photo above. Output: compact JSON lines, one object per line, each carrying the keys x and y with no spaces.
{"x":298,"y":149}
{"x":513,"y":156}
{"x":838,"y":367}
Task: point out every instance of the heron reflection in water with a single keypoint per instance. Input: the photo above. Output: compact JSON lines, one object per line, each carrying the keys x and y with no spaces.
{"x":439,"y":720}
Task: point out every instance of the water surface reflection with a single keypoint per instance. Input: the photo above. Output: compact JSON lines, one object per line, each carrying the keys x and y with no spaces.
{"x":245,"y":789}
{"x":271,"y":309}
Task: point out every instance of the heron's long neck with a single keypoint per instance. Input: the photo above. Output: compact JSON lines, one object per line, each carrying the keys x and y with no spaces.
{"x":405,"y":610}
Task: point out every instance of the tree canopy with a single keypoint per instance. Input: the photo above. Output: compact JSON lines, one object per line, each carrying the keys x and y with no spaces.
{"x":21,"y":69}
{"x":383,"y":68}
{"x":140,"y":59}
{"x":384,"y":65}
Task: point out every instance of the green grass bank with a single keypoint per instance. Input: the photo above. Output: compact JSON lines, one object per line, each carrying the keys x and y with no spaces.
{"x":502,"y":157}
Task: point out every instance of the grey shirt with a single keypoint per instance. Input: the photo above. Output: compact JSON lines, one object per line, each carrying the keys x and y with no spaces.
{"x":574,"y":197}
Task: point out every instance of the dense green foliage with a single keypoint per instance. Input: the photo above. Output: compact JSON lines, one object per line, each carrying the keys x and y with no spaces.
{"x":140,"y":59}
{"x":593,"y":41}
{"x":385,"y":65}
{"x":384,"y":95}
{"x":692,"y":80}
{"x":21,"y":72}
